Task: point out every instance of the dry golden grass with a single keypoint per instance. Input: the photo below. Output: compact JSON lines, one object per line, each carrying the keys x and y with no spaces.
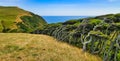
{"x":31,"y":47}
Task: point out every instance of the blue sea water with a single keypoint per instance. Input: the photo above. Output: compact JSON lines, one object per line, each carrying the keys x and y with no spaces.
{"x":55,"y":19}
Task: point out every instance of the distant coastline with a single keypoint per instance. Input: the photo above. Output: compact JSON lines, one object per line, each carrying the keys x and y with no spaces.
{"x":55,"y":19}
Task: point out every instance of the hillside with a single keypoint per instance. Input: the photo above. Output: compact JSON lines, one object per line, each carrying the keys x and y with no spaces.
{"x":31,"y":47}
{"x":15,"y":19}
{"x":97,"y":35}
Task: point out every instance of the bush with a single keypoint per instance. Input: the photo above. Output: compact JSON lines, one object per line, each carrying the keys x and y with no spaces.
{"x":70,"y":22}
{"x":95,"y":21}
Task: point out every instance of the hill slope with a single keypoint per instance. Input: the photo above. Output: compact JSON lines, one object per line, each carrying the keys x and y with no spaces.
{"x":29,"y":47}
{"x":14,"y":19}
{"x":97,"y":35}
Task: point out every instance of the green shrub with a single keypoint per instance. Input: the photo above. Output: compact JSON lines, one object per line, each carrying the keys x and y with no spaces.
{"x":118,"y":56}
{"x":70,"y":22}
{"x":95,"y":21}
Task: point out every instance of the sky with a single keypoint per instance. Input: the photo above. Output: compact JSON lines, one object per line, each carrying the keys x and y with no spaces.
{"x":66,"y":7}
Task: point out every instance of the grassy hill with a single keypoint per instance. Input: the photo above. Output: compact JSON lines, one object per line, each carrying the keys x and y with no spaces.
{"x":27,"y":47}
{"x":14,"y":19}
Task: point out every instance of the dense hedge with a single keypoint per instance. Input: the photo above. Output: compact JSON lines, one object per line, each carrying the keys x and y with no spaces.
{"x":96,"y":35}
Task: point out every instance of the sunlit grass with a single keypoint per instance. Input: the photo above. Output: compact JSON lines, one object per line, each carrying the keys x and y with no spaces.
{"x":31,"y":47}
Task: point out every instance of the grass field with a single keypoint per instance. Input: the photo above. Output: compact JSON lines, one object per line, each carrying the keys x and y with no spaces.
{"x":31,"y":47}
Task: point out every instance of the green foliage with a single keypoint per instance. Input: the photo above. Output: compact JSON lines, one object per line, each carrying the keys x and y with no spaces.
{"x":117,"y":25}
{"x":95,"y":21}
{"x":31,"y":23}
{"x":23,"y":28}
{"x":77,"y":24}
{"x":70,"y":22}
{"x":97,"y":35}
{"x":117,"y":15}
{"x":118,"y":56}
{"x":104,"y":16}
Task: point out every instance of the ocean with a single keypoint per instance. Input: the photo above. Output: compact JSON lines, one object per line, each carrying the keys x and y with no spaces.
{"x":55,"y":19}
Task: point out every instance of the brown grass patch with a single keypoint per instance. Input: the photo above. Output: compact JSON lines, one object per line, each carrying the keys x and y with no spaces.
{"x":31,"y":47}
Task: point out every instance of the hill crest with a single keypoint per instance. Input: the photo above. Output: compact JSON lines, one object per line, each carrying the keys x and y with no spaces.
{"x":12,"y":17}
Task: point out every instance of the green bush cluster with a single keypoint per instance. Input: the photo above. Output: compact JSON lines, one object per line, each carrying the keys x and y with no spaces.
{"x":97,"y":35}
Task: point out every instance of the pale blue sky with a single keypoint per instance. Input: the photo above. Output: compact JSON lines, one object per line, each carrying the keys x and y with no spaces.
{"x":66,"y":7}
